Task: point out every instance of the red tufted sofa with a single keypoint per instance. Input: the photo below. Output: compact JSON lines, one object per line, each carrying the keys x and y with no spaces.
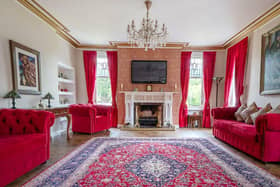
{"x":260,"y":141}
{"x":24,"y":141}
{"x":88,"y":118}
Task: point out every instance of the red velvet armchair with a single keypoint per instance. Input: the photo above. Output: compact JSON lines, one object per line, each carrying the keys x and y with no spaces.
{"x":24,"y":141}
{"x":87,"y":118}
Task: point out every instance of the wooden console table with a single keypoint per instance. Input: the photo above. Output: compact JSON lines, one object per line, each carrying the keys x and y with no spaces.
{"x":61,"y":112}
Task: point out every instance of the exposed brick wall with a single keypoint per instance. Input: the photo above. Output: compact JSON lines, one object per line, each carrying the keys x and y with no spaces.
{"x":172,"y":56}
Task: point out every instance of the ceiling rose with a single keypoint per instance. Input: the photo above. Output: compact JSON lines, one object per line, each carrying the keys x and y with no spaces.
{"x":149,"y":36}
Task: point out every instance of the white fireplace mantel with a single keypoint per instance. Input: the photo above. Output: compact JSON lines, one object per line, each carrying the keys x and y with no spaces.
{"x":166,"y":98}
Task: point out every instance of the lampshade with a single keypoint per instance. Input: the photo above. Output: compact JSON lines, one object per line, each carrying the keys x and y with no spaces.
{"x":48,"y":96}
{"x":13,"y":94}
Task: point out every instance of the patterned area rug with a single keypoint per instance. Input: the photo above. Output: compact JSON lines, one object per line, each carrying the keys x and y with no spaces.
{"x":152,"y":162}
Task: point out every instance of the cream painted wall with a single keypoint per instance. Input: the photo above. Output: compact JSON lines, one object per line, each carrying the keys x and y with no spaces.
{"x":252,"y":76}
{"x":18,"y":24}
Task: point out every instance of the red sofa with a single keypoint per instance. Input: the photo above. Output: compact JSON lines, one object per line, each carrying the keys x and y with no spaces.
{"x":87,"y":118}
{"x":24,"y":141}
{"x":260,"y":141}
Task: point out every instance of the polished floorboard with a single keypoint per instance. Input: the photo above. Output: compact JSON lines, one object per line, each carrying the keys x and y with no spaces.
{"x":60,"y":147}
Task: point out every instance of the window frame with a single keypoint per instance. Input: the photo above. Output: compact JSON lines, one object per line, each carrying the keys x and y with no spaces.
{"x":101,"y":54}
{"x":191,"y":107}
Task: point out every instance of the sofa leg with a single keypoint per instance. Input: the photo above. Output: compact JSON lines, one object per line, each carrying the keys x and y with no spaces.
{"x":44,"y":162}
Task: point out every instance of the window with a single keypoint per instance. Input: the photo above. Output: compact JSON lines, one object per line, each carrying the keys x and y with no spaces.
{"x":195,"y":94}
{"x":232,"y":97}
{"x":103,"y":93}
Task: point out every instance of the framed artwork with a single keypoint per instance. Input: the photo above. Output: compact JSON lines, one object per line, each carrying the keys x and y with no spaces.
{"x":25,"y":69}
{"x":270,"y":62}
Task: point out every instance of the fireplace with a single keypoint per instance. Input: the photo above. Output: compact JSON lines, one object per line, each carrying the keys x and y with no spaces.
{"x":148,"y":115}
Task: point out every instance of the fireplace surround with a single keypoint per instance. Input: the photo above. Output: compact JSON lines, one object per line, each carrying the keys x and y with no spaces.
{"x":134,"y":98}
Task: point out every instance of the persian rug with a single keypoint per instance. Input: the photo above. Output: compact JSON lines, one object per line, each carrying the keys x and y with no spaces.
{"x":153,"y":162}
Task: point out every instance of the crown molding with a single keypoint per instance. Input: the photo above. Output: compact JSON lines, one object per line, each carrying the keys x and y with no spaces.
{"x":258,"y":22}
{"x":64,"y":32}
{"x":42,"y":13}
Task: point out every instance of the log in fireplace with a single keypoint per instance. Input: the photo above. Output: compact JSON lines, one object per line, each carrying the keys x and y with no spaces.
{"x":148,"y":115}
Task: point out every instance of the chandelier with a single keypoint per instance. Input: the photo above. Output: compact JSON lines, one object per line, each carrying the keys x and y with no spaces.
{"x":149,"y":36}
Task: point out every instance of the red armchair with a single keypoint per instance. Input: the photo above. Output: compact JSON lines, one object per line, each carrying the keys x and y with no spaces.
{"x":24,"y":141}
{"x":88,"y":118}
{"x":259,"y":140}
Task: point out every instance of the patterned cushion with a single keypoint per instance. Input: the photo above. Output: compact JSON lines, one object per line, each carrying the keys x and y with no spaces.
{"x":245,"y":114}
{"x":237,"y":113}
{"x":275,"y":110}
{"x":264,"y":110}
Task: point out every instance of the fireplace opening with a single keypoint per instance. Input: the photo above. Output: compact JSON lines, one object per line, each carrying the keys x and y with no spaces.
{"x":148,"y":115}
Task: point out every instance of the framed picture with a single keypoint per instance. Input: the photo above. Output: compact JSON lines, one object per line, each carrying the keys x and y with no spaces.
{"x":25,"y":69}
{"x":149,"y":88}
{"x":270,"y":62}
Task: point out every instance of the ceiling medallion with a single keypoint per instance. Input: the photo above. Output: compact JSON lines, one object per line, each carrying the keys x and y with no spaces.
{"x":149,"y":36}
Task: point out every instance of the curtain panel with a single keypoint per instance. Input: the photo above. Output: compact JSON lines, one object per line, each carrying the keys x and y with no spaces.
{"x":90,"y":72}
{"x":185,"y":74}
{"x":113,"y":71}
{"x":236,"y":58}
{"x":209,"y":59}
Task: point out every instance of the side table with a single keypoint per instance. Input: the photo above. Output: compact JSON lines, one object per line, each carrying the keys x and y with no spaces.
{"x":192,"y":118}
{"x":61,"y":112}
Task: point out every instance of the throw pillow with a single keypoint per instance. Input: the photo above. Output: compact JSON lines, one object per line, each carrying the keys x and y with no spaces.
{"x":239,"y":110}
{"x":245,"y":114}
{"x":275,"y":110}
{"x":262,"y":111}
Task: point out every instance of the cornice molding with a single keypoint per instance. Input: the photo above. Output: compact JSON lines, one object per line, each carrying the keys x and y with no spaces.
{"x":258,"y":22}
{"x":42,"y":13}
{"x":64,"y":32}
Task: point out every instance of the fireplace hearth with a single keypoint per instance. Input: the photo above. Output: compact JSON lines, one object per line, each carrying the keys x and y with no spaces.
{"x":148,"y":115}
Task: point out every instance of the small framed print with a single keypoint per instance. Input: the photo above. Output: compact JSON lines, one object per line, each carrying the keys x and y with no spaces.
{"x":25,"y":69}
{"x":149,"y":88}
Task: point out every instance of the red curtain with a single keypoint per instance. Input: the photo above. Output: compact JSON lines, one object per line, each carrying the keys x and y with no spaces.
{"x":240,"y":64}
{"x":90,"y":71}
{"x":236,"y":57}
{"x":113,"y":71}
{"x":209,"y":59}
{"x":185,"y":73}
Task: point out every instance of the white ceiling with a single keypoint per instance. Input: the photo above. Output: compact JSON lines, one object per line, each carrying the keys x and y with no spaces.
{"x":199,"y":22}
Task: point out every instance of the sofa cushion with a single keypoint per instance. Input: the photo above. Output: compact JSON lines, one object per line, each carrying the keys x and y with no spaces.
{"x":19,"y":144}
{"x":237,"y":113}
{"x":224,"y":125}
{"x":245,"y":114}
{"x":262,"y":111}
{"x":244,"y":131}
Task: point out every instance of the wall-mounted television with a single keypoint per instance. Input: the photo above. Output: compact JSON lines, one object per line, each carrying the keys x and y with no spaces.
{"x":149,"y":71}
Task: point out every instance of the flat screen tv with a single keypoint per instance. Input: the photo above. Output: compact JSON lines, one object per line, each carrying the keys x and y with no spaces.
{"x":148,"y":72}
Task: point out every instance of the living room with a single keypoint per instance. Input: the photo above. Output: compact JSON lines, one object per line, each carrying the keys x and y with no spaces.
{"x":161,"y":93}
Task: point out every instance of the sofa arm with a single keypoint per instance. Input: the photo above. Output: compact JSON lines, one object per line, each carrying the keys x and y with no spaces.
{"x":268,"y":122}
{"x":224,"y":113}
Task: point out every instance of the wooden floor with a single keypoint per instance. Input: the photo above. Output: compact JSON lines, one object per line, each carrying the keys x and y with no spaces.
{"x":61,"y":147}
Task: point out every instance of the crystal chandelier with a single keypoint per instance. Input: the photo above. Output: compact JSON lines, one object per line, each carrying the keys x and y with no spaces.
{"x":149,"y":36}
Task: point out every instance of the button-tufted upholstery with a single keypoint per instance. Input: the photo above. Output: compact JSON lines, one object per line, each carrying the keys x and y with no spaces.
{"x":24,"y":141}
{"x":260,"y":140}
{"x":87,"y":118}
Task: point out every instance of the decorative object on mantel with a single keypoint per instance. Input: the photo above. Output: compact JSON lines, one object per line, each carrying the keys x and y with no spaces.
{"x":14,"y":95}
{"x":48,"y":96}
{"x":270,"y":64}
{"x":26,"y":69}
{"x":218,"y":80}
{"x":149,"y":36}
{"x":149,"y":88}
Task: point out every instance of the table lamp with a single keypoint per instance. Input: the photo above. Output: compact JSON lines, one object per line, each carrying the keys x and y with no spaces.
{"x":48,"y":96}
{"x":14,"y":95}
